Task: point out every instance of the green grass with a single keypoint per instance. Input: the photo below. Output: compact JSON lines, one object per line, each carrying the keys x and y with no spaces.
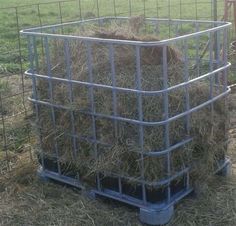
{"x":13,"y":3}
{"x":31,"y":16}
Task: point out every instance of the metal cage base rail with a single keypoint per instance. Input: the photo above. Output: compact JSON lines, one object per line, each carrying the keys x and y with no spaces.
{"x":152,"y":214}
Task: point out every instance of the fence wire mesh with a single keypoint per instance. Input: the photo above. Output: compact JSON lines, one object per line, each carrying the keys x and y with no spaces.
{"x":15,"y":110}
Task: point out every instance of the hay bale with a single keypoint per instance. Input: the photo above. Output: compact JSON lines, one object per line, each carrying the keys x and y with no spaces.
{"x":122,"y":153}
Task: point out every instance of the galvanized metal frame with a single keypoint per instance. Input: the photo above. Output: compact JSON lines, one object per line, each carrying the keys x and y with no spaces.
{"x":216,"y":67}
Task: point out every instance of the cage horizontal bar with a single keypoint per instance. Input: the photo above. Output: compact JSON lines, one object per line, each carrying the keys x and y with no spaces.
{"x":171,"y":148}
{"x":159,"y":183}
{"x":59,"y":177}
{"x":31,"y":32}
{"x":138,"y":203}
{"x":134,"y":121}
{"x":150,"y":93}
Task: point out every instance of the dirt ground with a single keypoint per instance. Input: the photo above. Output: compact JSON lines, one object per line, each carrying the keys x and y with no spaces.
{"x":26,"y":200}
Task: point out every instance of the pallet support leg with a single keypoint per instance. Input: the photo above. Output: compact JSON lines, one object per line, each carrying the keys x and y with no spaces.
{"x":156,"y":217}
{"x":227,"y":170}
{"x":41,"y":175}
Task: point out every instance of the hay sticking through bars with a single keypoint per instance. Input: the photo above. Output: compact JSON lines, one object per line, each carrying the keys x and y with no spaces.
{"x":118,"y":146}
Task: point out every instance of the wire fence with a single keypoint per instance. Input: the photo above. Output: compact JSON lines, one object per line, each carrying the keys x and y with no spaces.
{"x":15,"y":110}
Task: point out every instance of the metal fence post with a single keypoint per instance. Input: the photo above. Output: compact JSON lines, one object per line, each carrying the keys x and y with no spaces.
{"x":215,"y":18}
{"x":215,"y":10}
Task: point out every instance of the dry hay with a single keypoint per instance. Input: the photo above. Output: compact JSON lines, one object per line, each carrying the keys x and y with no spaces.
{"x":122,"y":155}
{"x":25,"y":200}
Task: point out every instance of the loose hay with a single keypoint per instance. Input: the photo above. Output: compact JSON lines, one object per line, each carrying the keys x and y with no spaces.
{"x":37,"y":203}
{"x":121,"y":154}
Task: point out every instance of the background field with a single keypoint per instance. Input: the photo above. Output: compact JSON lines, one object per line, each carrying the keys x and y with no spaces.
{"x":54,"y":12}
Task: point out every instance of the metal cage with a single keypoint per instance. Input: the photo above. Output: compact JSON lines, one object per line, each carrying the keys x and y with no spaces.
{"x":203,"y":48}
